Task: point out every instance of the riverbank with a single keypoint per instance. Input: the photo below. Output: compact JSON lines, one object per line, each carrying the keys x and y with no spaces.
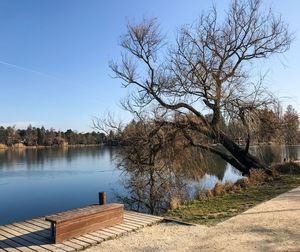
{"x":270,"y":226}
{"x":212,"y":210}
{"x":18,"y":147}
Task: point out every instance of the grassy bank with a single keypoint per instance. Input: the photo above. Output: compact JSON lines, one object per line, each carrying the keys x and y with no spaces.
{"x":210,"y":211}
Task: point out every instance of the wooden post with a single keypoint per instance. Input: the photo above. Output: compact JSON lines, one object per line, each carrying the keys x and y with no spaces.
{"x":102,"y":198}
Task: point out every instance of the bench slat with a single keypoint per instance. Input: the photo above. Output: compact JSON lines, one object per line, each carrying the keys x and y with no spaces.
{"x":78,"y":222}
{"x":80,"y":212}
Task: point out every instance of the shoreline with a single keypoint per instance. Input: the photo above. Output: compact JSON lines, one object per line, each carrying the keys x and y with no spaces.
{"x":49,"y":147}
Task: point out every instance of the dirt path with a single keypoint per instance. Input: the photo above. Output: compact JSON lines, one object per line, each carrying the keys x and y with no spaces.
{"x":270,"y":226}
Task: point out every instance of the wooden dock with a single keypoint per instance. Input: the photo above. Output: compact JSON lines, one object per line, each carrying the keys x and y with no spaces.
{"x":34,"y":234}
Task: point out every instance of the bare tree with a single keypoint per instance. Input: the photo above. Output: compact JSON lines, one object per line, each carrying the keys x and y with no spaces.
{"x":290,"y":125}
{"x":205,"y":72}
{"x":157,"y":165}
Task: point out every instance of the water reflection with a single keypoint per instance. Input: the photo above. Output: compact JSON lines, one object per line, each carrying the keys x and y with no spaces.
{"x":270,"y":154}
{"x":36,"y":182}
{"x":38,"y":157}
{"x":155,"y":190}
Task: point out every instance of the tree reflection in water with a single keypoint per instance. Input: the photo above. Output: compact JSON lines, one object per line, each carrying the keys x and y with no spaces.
{"x":159,"y":169}
{"x":168,"y":182}
{"x":32,"y":156}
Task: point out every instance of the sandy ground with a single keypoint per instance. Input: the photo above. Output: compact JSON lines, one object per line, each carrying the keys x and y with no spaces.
{"x":270,"y":226}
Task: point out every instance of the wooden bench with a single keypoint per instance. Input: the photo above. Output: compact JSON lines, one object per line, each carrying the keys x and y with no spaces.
{"x":80,"y":221}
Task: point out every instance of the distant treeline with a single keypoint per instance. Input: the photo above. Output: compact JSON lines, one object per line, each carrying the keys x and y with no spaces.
{"x":268,"y":126}
{"x":33,"y":136}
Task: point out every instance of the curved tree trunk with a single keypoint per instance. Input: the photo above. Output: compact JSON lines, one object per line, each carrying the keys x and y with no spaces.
{"x":244,"y":161}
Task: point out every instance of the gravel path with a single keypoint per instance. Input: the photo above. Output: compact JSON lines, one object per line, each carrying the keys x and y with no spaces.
{"x":271,"y":226}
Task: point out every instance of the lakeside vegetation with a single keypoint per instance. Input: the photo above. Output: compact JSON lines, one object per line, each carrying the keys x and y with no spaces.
{"x":34,"y":137}
{"x":273,"y":127}
{"x":224,"y":202}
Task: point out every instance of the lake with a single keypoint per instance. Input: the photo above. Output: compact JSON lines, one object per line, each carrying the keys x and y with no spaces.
{"x":37,"y":182}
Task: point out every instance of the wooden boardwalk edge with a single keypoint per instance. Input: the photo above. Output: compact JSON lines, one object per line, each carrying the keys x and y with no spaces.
{"x":34,"y":234}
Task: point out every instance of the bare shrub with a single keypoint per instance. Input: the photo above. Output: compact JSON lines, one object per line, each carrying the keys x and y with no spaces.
{"x":201,"y":195}
{"x":219,"y":189}
{"x":174,"y":203}
{"x":243,"y":183}
{"x":209,"y":193}
{"x":257,"y":176}
{"x":229,"y":186}
{"x":287,"y":168}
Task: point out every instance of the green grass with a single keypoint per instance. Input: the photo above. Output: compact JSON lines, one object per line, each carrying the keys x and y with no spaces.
{"x":211,"y":211}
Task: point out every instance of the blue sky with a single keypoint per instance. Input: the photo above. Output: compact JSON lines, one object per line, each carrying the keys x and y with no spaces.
{"x":54,"y":56}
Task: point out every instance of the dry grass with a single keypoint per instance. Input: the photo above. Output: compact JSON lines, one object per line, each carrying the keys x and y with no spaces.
{"x":257,"y":176}
{"x":219,"y":189}
{"x":210,"y":209}
{"x":174,"y":203}
{"x":18,"y":146}
{"x":209,"y":193}
{"x":287,"y":168}
{"x":3,"y":147}
{"x":243,"y":183}
{"x":229,"y":186}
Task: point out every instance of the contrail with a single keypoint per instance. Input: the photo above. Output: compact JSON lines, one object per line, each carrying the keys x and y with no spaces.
{"x":29,"y":70}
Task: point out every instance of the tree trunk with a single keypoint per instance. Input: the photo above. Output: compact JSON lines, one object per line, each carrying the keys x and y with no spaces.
{"x":244,"y":161}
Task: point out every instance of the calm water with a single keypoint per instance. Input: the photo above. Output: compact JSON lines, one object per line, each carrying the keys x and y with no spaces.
{"x":38,"y":182}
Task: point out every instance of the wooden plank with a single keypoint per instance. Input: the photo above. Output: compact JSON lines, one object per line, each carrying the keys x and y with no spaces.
{"x":144,"y":223}
{"x":131,"y":225}
{"x":111,"y":231}
{"x":132,"y":228}
{"x":73,"y":242}
{"x":4,"y":245}
{"x":126,"y":228}
{"x":42,"y":224}
{"x":109,"y":234}
{"x":137,"y":223}
{"x":120,"y":230}
{"x":85,"y":211}
{"x":46,"y":232}
{"x":149,"y":216}
{"x":96,"y":239}
{"x":79,"y":242}
{"x":38,"y":225}
{"x":88,"y":221}
{"x":45,"y":235}
{"x":64,"y":233}
{"x":10,"y":245}
{"x":104,"y":235}
{"x":94,"y":236}
{"x":143,"y":214}
{"x":136,"y":217}
{"x":126,"y":222}
{"x":145,"y":218}
{"x":34,"y":234}
{"x":22,"y":245}
{"x":87,"y":240}
{"x":100,"y":235}
{"x":73,"y":245}
{"x":35,"y":240}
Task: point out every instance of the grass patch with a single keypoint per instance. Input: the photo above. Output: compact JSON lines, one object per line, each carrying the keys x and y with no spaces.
{"x":210,"y":211}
